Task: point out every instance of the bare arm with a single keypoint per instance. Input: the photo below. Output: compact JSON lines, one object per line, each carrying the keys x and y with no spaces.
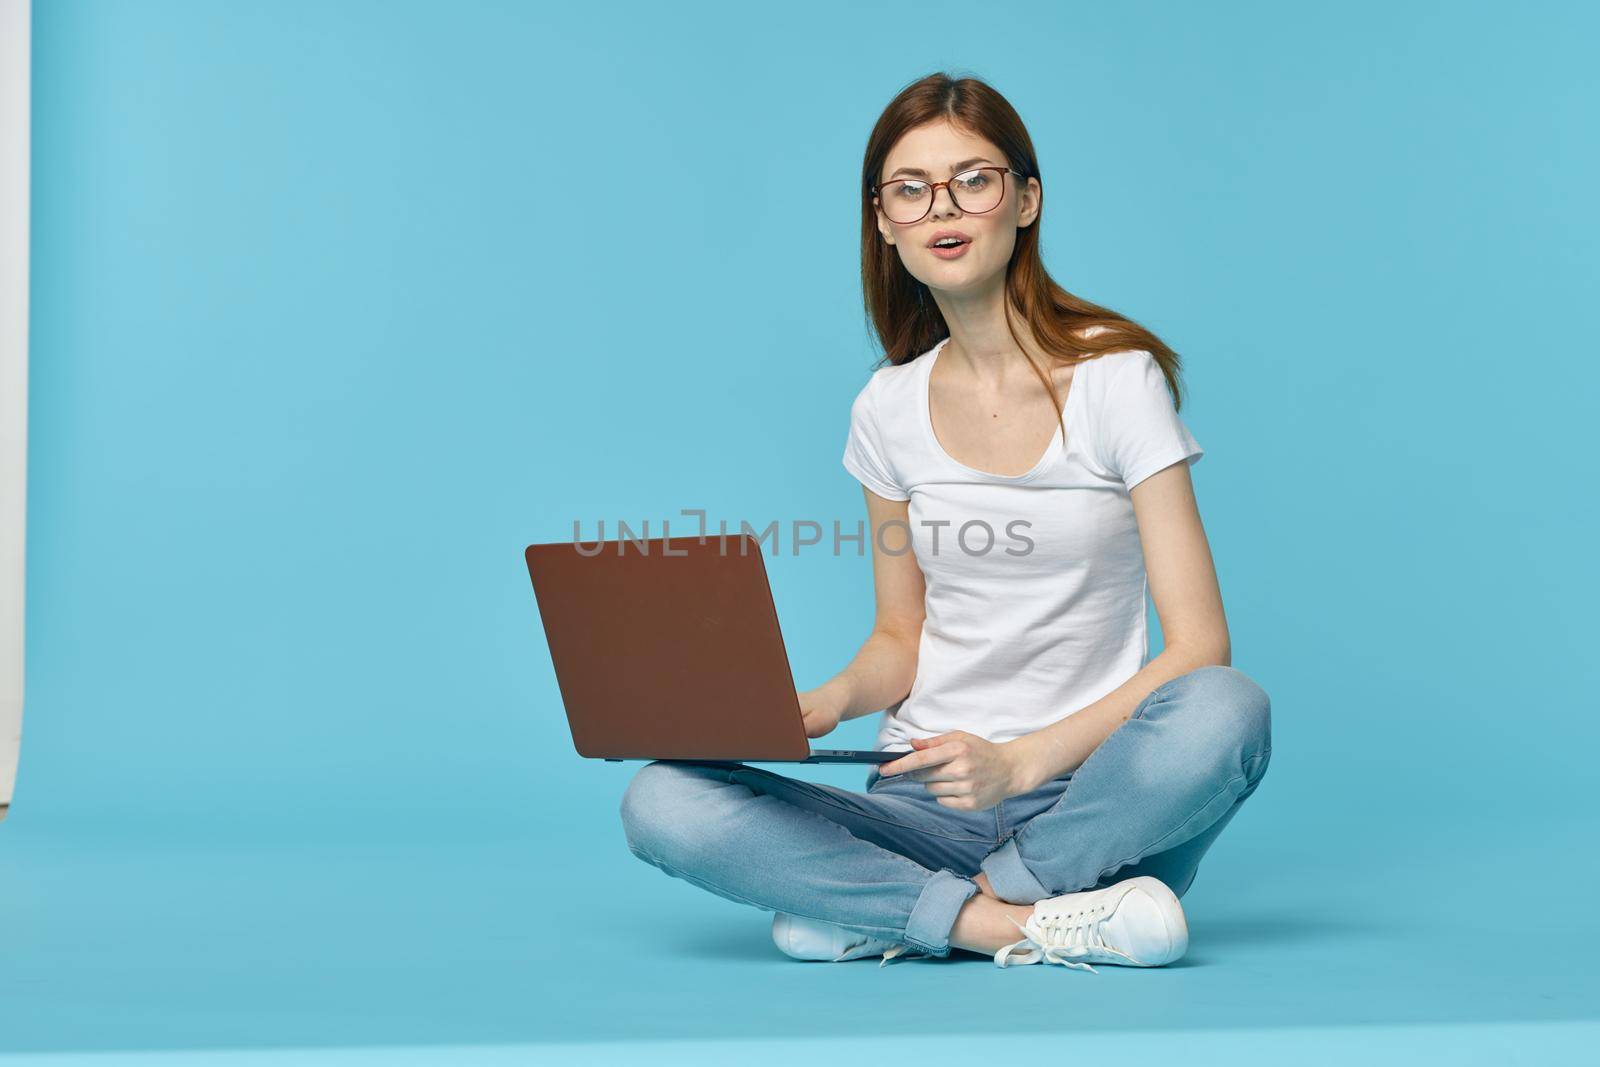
{"x":1183,"y":585}
{"x":886,"y":664}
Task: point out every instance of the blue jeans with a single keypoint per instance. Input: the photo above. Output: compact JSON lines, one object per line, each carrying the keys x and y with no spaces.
{"x":895,"y":864}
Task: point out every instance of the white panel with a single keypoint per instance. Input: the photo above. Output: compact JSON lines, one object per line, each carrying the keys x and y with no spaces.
{"x":15,"y":36}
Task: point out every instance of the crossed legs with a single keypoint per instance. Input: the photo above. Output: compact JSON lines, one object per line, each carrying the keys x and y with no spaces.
{"x":894,"y":864}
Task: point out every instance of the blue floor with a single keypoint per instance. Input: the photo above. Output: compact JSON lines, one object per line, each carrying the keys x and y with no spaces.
{"x":323,"y":940}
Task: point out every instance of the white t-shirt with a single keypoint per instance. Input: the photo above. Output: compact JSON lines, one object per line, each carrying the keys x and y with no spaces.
{"x":1052,"y":616}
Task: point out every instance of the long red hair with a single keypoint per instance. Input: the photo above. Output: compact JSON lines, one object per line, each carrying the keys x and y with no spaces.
{"x":900,"y":308}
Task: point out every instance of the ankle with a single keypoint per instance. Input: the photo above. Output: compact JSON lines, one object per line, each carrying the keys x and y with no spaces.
{"x":984,"y":924}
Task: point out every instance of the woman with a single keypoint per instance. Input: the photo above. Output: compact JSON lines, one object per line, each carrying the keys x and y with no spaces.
{"x":1024,"y":441}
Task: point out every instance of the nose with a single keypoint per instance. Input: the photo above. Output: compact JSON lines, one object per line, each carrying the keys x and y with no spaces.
{"x":950,"y":207}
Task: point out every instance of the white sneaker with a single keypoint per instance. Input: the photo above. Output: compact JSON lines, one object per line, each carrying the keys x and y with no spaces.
{"x":812,"y":939}
{"x":1135,"y":923}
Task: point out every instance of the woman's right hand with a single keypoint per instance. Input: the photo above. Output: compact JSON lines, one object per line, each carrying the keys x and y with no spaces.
{"x":822,"y":708}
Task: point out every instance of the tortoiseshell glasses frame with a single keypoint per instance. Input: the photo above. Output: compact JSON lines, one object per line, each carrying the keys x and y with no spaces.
{"x":950,"y":186}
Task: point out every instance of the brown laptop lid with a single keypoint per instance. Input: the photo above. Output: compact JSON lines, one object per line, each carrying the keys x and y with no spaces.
{"x":668,"y":648}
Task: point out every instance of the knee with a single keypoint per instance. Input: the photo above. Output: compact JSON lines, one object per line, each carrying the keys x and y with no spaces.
{"x":1230,"y":705}
{"x":652,"y":808}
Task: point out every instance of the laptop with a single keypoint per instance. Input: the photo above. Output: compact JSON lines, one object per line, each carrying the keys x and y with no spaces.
{"x":669,"y":648}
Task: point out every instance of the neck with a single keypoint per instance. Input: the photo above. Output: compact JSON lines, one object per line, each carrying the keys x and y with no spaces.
{"x":980,"y":341}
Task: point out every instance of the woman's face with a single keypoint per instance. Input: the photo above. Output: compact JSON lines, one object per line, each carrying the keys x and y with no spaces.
{"x":937,"y":152}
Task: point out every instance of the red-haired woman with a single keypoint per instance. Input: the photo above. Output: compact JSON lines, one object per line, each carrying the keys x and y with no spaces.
{"x":1059,"y":786}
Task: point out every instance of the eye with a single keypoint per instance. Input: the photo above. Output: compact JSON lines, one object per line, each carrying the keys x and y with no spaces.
{"x":908,"y":190}
{"x":972,"y":179}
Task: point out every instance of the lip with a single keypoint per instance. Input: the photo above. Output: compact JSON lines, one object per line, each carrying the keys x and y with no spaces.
{"x":939,"y":235}
{"x":950,"y":253}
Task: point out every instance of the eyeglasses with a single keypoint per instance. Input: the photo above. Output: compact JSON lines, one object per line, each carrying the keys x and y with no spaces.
{"x":907,"y":200}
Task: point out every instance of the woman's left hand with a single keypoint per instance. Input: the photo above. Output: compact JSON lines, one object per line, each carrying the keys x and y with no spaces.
{"x":962,"y":770}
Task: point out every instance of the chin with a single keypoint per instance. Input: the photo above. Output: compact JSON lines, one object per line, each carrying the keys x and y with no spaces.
{"x":957,"y":277}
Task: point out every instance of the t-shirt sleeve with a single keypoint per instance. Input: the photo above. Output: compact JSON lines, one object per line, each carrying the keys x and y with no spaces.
{"x":864,"y":454}
{"x":1141,"y":432}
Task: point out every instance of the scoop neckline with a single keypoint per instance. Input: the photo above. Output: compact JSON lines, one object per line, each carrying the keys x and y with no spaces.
{"x":1051,"y":452}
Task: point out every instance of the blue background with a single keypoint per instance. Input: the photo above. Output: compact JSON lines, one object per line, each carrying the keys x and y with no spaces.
{"x":336,"y":307}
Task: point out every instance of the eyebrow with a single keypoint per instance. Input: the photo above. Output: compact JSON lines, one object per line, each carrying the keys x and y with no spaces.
{"x":955,"y":169}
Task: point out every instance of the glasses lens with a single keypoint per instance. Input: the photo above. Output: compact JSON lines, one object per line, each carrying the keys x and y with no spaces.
{"x":978,"y":191}
{"x":904,"y":200}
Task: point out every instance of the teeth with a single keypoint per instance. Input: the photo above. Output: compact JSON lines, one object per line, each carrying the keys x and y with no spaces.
{"x":947,"y":242}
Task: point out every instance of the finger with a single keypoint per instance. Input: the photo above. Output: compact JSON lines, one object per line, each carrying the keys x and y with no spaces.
{"x":923,"y":758}
{"x":901,"y":766}
{"x":920,"y":744}
{"x":952,"y":770}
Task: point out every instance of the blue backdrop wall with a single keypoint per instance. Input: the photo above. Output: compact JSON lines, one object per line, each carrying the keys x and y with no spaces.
{"x":315,"y":355}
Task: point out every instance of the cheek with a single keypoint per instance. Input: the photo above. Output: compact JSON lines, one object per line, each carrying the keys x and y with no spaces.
{"x":1000,"y":244}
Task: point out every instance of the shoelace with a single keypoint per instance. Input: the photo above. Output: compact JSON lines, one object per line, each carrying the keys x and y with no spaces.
{"x":899,"y":952}
{"x":1062,"y":939}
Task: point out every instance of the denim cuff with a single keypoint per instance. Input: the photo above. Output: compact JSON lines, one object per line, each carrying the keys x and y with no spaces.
{"x":935,"y":911}
{"x":1009,"y":877}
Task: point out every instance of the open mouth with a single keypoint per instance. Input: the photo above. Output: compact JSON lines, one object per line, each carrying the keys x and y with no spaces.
{"x":949,"y":245}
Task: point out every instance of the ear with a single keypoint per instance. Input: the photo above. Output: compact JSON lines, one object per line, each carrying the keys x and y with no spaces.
{"x":883,"y":224}
{"x":1033,"y":201}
